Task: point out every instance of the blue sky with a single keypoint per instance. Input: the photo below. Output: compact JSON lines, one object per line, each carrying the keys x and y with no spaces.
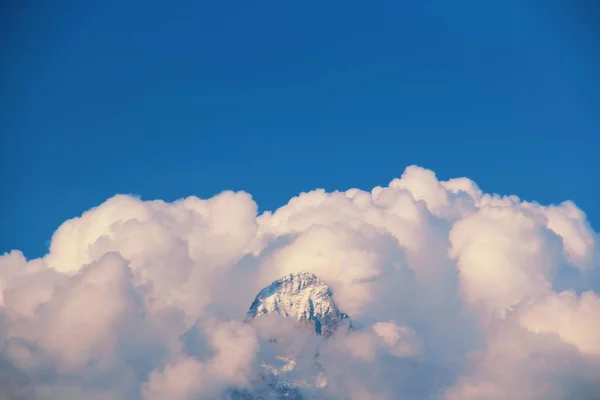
{"x":278,"y":97}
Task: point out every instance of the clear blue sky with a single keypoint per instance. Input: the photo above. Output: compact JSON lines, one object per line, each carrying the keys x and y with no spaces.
{"x":276,"y":97}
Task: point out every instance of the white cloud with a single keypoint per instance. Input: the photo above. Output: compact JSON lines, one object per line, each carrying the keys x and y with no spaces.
{"x":504,"y":256}
{"x":401,"y":340}
{"x":533,"y":355}
{"x":233,"y":345}
{"x":455,"y":294}
{"x":575,"y":319}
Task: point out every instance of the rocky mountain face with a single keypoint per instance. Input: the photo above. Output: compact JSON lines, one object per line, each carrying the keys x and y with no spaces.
{"x":308,"y":300}
{"x":304,"y":297}
{"x":269,"y":387}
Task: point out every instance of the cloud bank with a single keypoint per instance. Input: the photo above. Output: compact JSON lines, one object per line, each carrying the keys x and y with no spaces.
{"x":455,"y":294}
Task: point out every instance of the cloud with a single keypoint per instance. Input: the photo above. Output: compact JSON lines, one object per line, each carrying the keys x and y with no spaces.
{"x":234,"y":346}
{"x":504,"y":255}
{"x":454,"y":294}
{"x":533,"y":354}
{"x":575,"y":319}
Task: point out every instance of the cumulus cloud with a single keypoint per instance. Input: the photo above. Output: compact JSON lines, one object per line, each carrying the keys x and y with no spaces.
{"x":453,"y":293}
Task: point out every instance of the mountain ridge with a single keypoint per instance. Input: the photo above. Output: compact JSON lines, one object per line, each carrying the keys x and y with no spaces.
{"x":301,"y":295}
{"x":307,"y":299}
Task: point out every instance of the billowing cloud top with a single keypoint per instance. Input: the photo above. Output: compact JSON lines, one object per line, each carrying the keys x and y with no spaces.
{"x":454,"y":294}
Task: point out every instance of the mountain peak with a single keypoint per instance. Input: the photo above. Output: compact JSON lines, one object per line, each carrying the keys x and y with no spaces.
{"x":303,"y":296}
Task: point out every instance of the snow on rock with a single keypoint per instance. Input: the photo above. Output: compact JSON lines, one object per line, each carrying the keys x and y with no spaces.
{"x":304,"y":297}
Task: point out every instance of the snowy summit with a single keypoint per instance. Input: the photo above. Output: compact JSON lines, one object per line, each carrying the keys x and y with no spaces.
{"x":302,"y":296}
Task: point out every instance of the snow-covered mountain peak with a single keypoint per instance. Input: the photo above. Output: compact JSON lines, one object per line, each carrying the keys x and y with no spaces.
{"x":302,"y":296}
